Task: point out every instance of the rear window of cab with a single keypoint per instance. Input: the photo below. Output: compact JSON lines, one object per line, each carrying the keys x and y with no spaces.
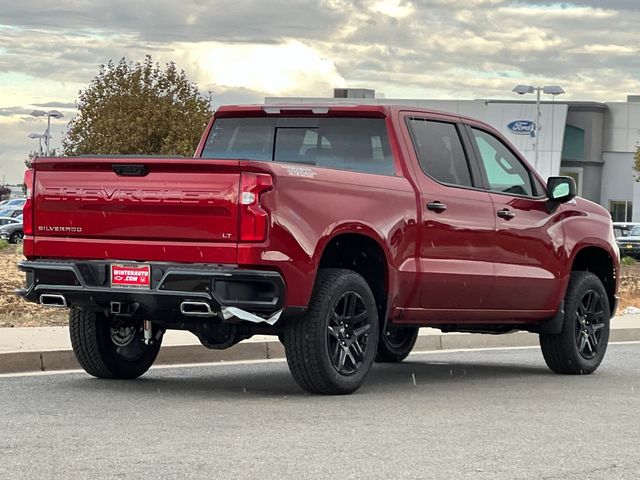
{"x":355,"y":144}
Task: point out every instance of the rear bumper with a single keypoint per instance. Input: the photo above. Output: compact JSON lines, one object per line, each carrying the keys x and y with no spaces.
{"x":86,"y":285}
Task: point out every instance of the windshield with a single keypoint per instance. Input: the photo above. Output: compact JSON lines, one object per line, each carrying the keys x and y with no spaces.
{"x":635,"y":231}
{"x":357,"y":144}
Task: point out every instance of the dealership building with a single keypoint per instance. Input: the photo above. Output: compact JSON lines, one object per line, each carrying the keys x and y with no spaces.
{"x":594,"y":142}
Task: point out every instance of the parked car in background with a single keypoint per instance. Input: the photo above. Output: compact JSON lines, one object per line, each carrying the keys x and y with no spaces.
{"x":13,"y":202}
{"x":8,"y":220}
{"x":11,"y":212}
{"x":12,"y":231}
{"x":629,"y":244}
{"x":623,"y":229}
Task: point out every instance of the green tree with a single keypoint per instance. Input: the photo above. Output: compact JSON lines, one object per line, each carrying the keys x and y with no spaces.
{"x":636,"y":163}
{"x":139,"y":109}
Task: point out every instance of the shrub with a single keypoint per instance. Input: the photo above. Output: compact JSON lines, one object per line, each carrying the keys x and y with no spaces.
{"x":627,"y":261}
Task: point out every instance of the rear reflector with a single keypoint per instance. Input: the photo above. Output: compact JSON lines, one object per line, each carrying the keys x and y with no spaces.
{"x":254,"y":220}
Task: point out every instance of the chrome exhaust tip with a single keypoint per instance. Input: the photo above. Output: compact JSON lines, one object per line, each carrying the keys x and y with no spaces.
{"x":196,"y":309}
{"x":52,"y":300}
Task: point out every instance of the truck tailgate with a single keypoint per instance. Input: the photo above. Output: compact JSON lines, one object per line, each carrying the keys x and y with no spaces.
{"x":136,"y":199}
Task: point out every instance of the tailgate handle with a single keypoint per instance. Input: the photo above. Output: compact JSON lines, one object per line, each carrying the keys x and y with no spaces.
{"x":130,"y":170}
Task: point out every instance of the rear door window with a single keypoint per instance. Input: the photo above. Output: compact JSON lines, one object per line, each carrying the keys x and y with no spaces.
{"x":356,"y":144}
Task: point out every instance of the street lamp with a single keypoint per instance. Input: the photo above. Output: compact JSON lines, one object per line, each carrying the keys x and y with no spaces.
{"x":549,"y":90}
{"x":39,"y":136}
{"x":49,"y":114}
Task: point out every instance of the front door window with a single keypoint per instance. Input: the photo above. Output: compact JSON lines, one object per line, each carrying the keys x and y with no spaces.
{"x":505,"y":173}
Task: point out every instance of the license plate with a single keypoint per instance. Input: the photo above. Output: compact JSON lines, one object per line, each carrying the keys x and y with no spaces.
{"x":131,"y":275}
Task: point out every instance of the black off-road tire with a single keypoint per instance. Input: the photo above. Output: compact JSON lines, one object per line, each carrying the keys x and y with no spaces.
{"x":307,"y":341}
{"x":97,"y":353}
{"x":396,"y":343}
{"x":562,"y":352}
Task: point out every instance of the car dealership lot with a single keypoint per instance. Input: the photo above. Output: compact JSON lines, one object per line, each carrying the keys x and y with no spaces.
{"x":452,"y":414}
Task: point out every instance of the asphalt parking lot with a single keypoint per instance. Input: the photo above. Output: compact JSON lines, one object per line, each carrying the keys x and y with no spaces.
{"x":489,"y":414}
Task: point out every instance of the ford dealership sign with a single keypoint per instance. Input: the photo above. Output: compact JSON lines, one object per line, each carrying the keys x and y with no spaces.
{"x":523,"y":127}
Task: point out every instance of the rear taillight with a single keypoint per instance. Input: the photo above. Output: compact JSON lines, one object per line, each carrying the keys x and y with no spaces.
{"x":254,"y":220}
{"x":27,"y":208}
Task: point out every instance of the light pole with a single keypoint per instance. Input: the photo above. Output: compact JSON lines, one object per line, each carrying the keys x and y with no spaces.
{"x":47,"y":133}
{"x":549,"y":90}
{"x":39,"y":136}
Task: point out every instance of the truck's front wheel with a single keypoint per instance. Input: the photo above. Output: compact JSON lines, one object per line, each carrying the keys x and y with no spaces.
{"x":330,"y":350}
{"x":580,"y":347}
{"x":110,"y":347}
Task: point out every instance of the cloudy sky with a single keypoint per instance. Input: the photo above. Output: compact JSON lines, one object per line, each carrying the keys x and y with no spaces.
{"x":242,"y":50}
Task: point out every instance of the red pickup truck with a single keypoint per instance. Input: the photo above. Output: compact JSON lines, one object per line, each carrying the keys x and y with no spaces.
{"x":341,"y":229}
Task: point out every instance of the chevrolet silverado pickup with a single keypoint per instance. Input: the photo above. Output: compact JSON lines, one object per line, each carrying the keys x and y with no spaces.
{"x":341,"y":229}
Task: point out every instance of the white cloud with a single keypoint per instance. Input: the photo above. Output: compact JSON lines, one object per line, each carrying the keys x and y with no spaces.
{"x":393,"y":8}
{"x":291,"y":67}
{"x":610,"y":49}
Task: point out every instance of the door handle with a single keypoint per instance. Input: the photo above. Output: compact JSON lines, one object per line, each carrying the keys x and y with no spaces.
{"x":506,"y":214}
{"x":436,"y":206}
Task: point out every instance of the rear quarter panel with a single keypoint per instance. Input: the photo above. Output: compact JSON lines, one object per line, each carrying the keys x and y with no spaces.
{"x":311,"y":205}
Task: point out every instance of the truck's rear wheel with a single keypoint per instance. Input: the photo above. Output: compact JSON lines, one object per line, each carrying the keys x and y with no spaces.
{"x":331,"y":349}
{"x":581,"y":345}
{"x":396,"y":343}
{"x":110,"y":347}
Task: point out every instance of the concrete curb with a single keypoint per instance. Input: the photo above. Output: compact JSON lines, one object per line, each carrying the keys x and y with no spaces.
{"x":50,"y":360}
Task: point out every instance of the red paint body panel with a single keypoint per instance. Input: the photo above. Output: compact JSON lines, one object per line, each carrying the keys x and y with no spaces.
{"x":459,"y":266}
{"x":586,"y":224}
{"x":177,"y":200}
{"x":530,"y":259}
{"x":455,"y":246}
{"x":304,"y":218}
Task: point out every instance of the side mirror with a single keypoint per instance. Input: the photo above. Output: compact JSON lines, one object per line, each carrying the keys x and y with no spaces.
{"x":561,"y":189}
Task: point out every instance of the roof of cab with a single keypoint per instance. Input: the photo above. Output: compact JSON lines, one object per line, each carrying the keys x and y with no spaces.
{"x":325,"y":108}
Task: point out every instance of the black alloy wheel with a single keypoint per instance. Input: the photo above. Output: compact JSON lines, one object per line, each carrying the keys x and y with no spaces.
{"x":590,"y":324}
{"x":331,"y":349}
{"x":348,"y":333}
{"x":580,"y":347}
